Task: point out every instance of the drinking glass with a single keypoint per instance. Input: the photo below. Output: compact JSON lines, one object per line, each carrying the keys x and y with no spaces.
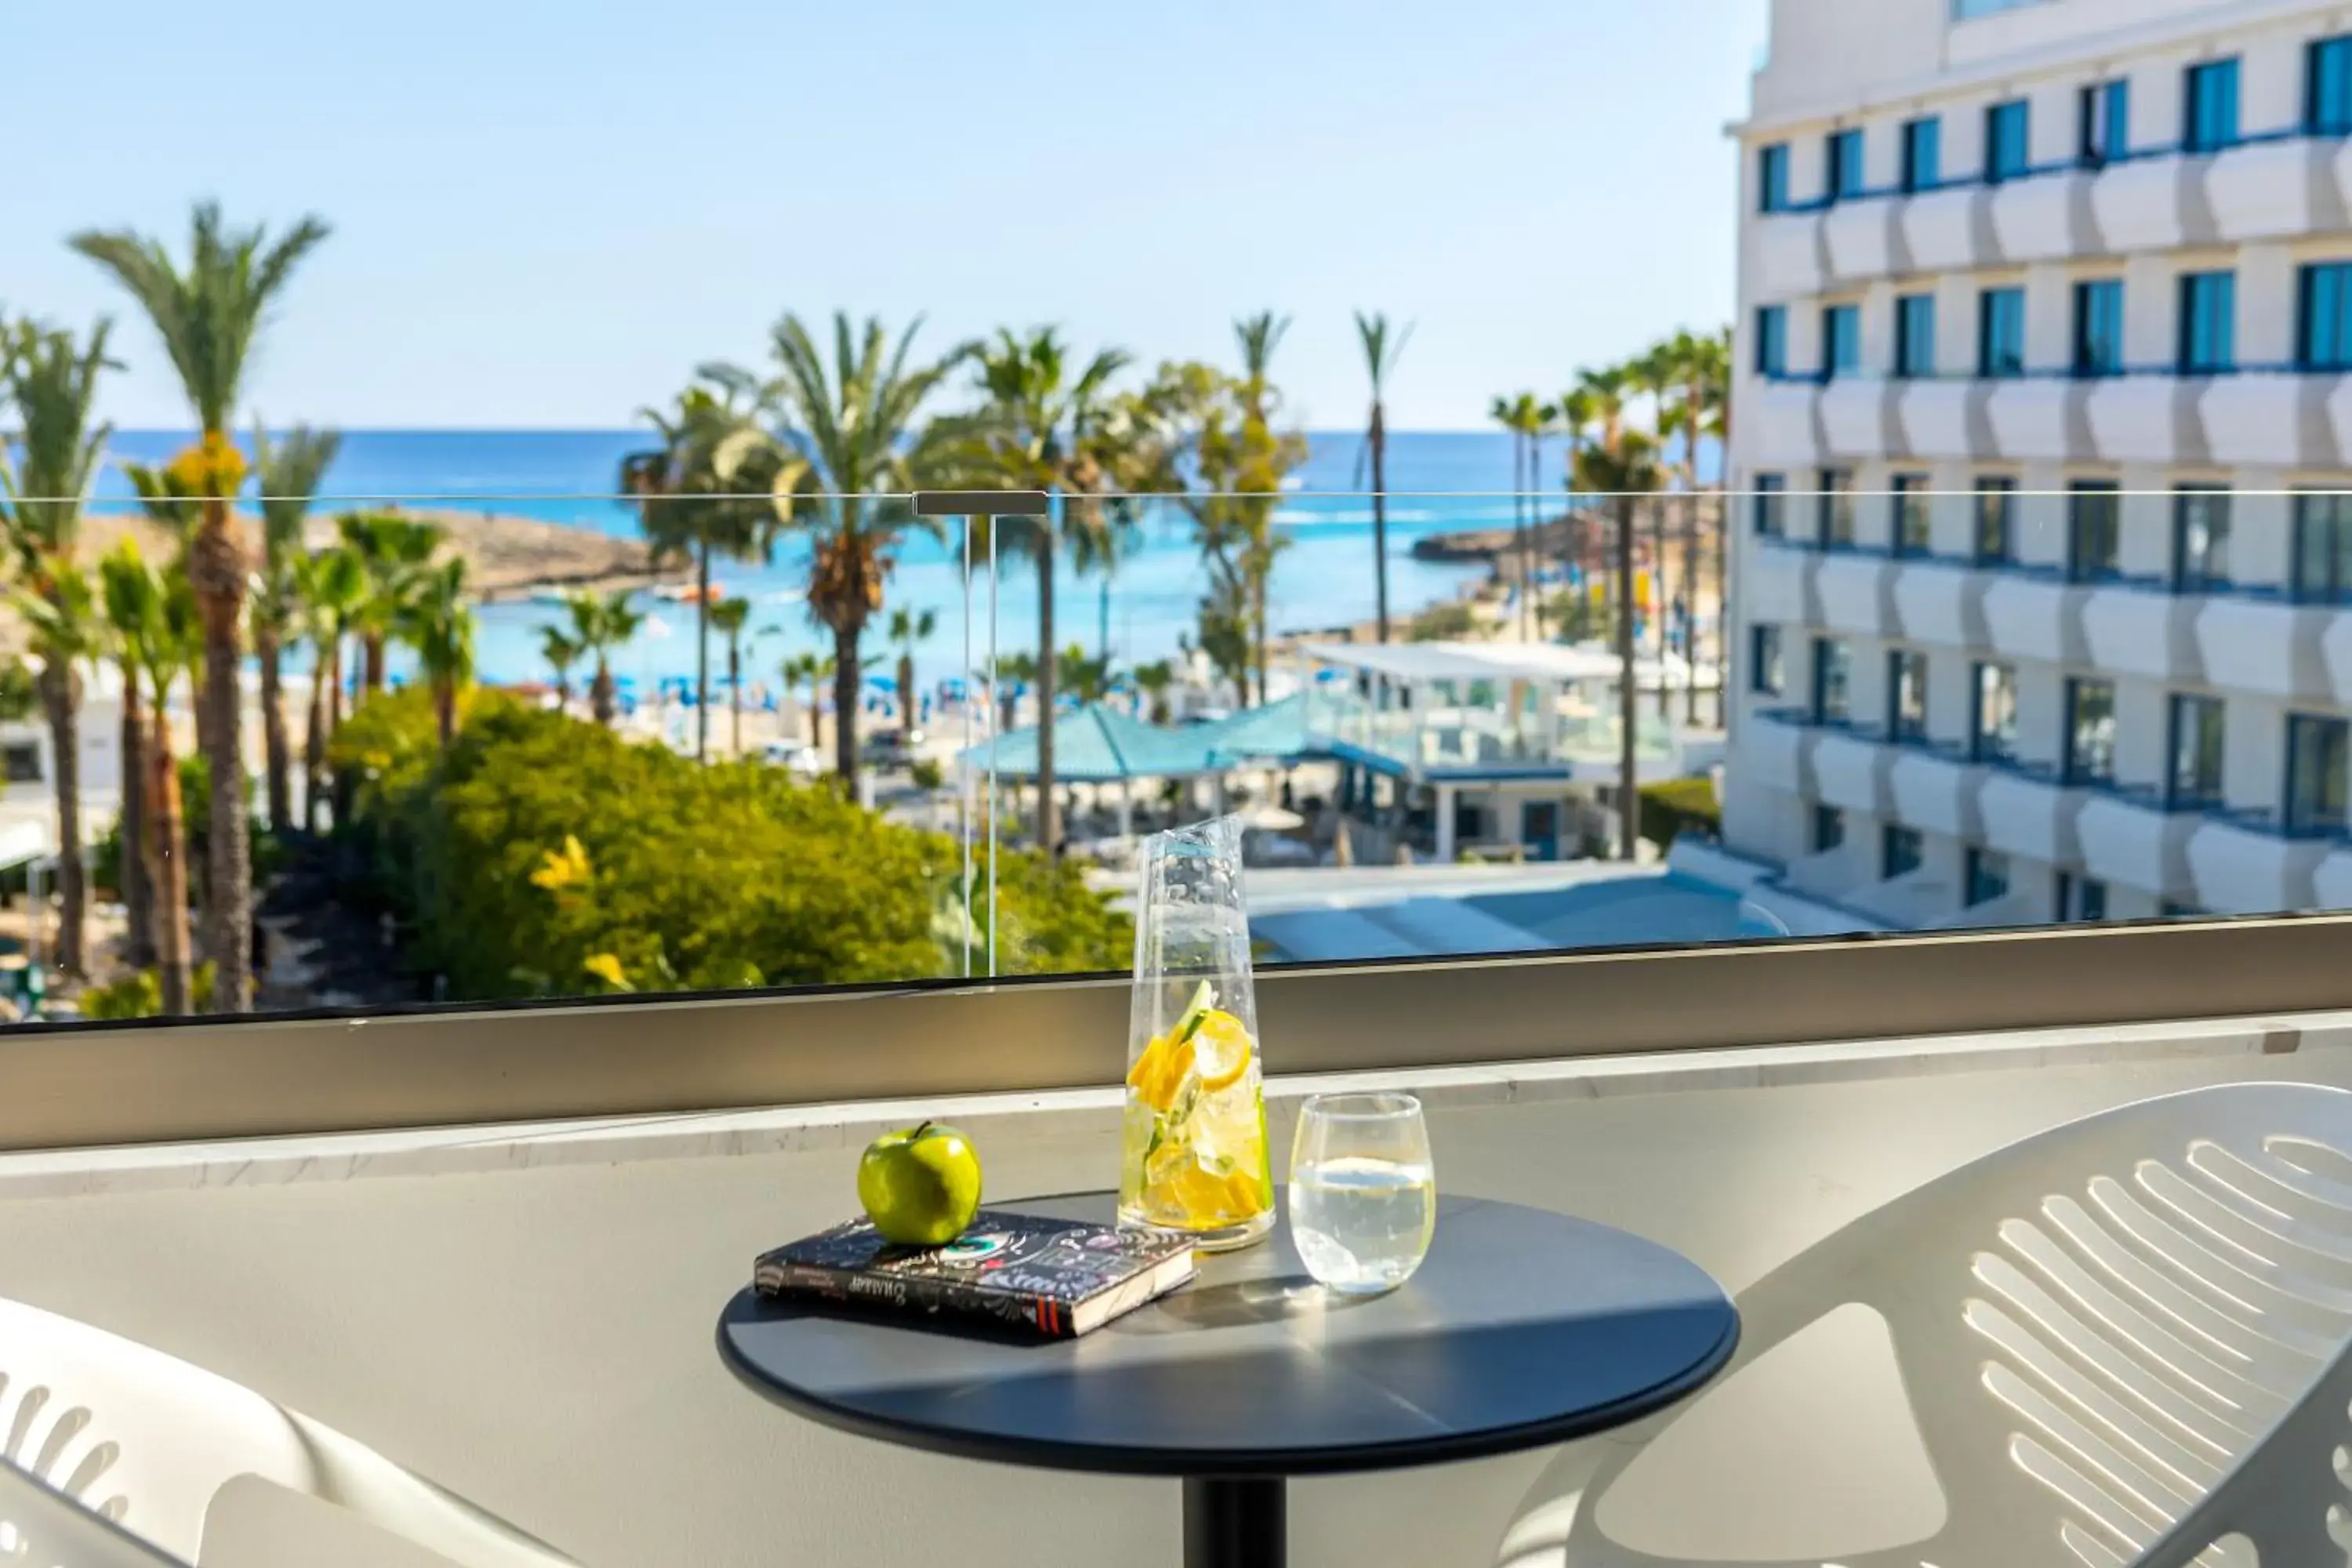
{"x":1192,"y":1153}
{"x":1363,"y":1191}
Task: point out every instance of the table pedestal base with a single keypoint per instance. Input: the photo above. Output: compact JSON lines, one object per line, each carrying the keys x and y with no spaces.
{"x":1234,"y":1524}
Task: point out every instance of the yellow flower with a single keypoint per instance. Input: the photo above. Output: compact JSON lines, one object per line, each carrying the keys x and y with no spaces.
{"x":605,"y":967}
{"x":564,"y":868}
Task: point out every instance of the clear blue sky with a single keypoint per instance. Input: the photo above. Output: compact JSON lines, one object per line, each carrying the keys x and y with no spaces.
{"x":546,"y":214}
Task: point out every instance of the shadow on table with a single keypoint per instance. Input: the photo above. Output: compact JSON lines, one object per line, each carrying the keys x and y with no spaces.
{"x":1237,"y":1304}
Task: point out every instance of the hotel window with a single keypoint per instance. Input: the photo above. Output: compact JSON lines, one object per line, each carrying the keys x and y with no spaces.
{"x":1773,"y":342}
{"x":1841,"y":340}
{"x":1828,"y":829}
{"x":2211,"y":121}
{"x":1844,"y":151}
{"x":2209,"y":317}
{"x":2200,"y":538}
{"x":1900,"y":850}
{"x":2099,"y":327}
{"x":1923,"y":155}
{"x":2327,"y":88}
{"x":2315,"y":758}
{"x":1764,"y":672}
{"x":2090,"y":731}
{"x":2001,"y":333}
{"x":1833,"y":527}
{"x":2323,"y":547}
{"x":1772,"y":177}
{"x":1993,"y":727}
{"x":1772,"y":505}
{"x":1996,"y":542}
{"x":2105,"y":123}
{"x":2009,"y":151}
{"x":2093,"y":531}
{"x":1906,"y":695}
{"x":1914,"y":336}
{"x":2197,"y":747}
{"x":1832,"y":681}
{"x":2081,"y":897}
{"x":2324,"y":317}
{"x":1909,"y":498}
{"x":1988,"y":876}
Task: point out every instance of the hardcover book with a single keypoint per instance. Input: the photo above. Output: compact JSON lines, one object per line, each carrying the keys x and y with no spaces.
{"x":1056,"y":1279}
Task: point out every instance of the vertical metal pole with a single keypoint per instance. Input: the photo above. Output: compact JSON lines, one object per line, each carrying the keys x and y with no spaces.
{"x":964,"y":784}
{"x":992,"y":751}
{"x":1235,"y":1524}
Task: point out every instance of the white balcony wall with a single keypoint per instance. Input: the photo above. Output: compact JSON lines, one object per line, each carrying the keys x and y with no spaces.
{"x":2273,"y":190}
{"x":2276,"y":649}
{"x":1775,"y":755}
{"x":2131,"y":631}
{"x":1950,"y":230}
{"x":2274,"y":420}
{"x":2031,"y":818}
{"x":2041,"y":420}
{"x":2032,"y":618}
{"x":1937,"y":793}
{"x":2236,"y":870}
{"x":1787,"y":430}
{"x":2340,"y":168}
{"x":2336,"y":647}
{"x":1854,"y":594}
{"x":2047,"y":218}
{"x":1857,"y":416}
{"x":2339,"y":413}
{"x":2133,"y":845}
{"x":1790,"y":255}
{"x":1939,"y":603}
{"x":1774,"y":583}
{"x":2148,"y":420}
{"x":2332,"y":882}
{"x":1943,"y":419}
{"x":1864,"y":240}
{"x":2153,"y":204}
{"x":1851,"y":773}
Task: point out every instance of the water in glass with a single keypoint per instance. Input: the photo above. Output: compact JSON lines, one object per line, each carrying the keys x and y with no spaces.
{"x":1363,"y":1191}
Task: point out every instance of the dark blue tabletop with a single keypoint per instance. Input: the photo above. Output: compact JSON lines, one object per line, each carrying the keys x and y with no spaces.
{"x":1523,"y":1327}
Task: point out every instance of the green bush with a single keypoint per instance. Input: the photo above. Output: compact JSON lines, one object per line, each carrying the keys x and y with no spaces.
{"x":1675,"y":806}
{"x":543,"y":855}
{"x":1449,"y":622}
{"x":141,"y":995}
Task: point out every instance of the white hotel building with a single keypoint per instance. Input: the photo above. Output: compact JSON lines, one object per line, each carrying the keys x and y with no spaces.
{"x":2045,"y":360}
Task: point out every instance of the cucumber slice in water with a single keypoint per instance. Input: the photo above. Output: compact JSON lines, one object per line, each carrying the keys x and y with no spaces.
{"x":1196,"y":1012}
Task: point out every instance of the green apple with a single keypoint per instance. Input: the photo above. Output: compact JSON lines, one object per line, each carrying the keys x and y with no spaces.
{"x":920,"y":1187}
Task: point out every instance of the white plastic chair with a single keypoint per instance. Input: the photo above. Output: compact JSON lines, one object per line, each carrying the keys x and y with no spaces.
{"x":2125,"y":1341}
{"x":147,"y":1440}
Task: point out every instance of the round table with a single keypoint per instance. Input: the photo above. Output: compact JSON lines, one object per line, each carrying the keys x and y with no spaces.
{"x":1523,"y":1327}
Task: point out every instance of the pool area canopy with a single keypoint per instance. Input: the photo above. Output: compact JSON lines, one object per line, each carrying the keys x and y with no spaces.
{"x":1100,"y":744}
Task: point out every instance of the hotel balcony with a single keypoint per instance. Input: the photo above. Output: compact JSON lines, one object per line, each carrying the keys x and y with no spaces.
{"x":2336,"y":647}
{"x":1950,"y":230}
{"x":2246,"y":864}
{"x":1788,"y":423}
{"x":2275,"y":190}
{"x":2027,"y":810}
{"x":2144,"y":630}
{"x":1854,"y":592}
{"x":1858,"y":419}
{"x":1777,"y":751}
{"x":1936,"y":787}
{"x":2273,"y":420}
{"x":1851,"y":771}
{"x":2332,"y":882}
{"x":1944,"y":419}
{"x":1789,"y":254}
{"x":2153,"y":204}
{"x":2038,"y":420}
{"x":2129,"y":840}
{"x":1865,"y":240}
{"x":1941,"y":603}
{"x":2034,"y":617}
{"x":2048,"y":219}
{"x":1776,"y":583}
{"x":2269,"y":645}
{"x":2149,"y":419}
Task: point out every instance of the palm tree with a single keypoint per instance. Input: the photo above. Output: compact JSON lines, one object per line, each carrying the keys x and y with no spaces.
{"x":908,"y":630}
{"x":52,"y":379}
{"x":727,"y":618}
{"x":1656,"y":374}
{"x":1523,"y":417}
{"x":392,"y":552}
{"x":1380,"y":355}
{"x":1703,"y":367}
{"x":1153,"y":681}
{"x":439,"y":623}
{"x":209,"y":315}
{"x":161,"y":630}
{"x":812,"y":670}
{"x":1035,"y":430}
{"x":562,"y":651}
{"x":849,"y":433}
{"x":601,"y":622}
{"x":290,"y":472}
{"x":331,"y":592}
{"x":1622,"y":469}
{"x":707,"y":488}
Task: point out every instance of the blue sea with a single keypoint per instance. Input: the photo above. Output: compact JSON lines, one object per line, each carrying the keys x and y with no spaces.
{"x":1439,"y":483}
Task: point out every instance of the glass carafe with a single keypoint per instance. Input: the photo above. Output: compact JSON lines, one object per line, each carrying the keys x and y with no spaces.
{"x":1192,"y":1153}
